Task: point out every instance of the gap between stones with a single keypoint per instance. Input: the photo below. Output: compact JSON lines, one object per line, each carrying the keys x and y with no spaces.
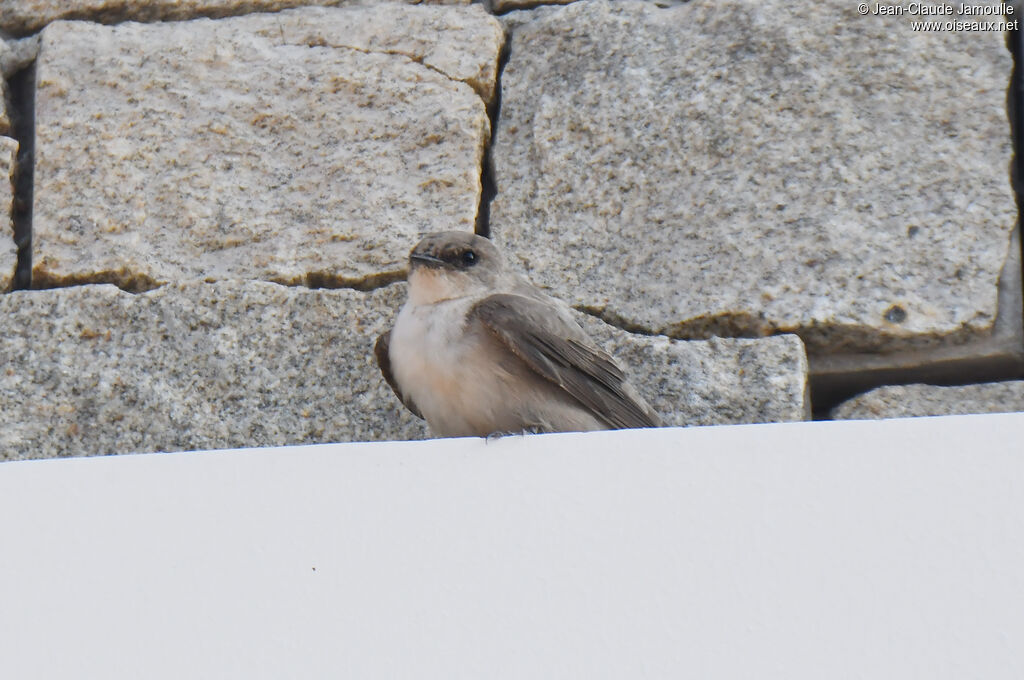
{"x":536,"y":4}
{"x":1015,"y":113}
{"x":22,"y":88}
{"x":488,"y":186}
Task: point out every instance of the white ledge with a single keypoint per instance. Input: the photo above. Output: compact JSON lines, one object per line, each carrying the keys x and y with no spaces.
{"x":887,"y":549}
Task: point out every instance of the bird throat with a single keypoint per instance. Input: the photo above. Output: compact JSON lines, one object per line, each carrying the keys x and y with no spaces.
{"x":428,"y":286}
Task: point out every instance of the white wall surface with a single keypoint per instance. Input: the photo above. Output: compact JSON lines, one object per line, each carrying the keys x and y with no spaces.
{"x":890,"y":549}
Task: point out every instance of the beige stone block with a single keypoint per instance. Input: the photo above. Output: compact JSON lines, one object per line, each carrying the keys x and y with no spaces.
{"x":309,"y":146}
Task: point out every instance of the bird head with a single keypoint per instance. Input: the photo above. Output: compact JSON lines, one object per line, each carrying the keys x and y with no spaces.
{"x":453,"y":264}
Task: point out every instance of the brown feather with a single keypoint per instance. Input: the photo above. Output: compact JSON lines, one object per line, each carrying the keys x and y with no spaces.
{"x":381,"y":350}
{"x":564,"y":355}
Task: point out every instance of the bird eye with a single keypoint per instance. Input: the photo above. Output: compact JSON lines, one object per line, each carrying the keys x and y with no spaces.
{"x":469,"y":258}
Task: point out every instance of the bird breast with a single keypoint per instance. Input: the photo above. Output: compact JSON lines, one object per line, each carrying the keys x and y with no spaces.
{"x":433,"y":360}
{"x":465,"y":383}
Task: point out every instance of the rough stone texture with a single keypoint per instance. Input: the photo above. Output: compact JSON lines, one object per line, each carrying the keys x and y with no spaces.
{"x":93,"y":370}
{"x":410,"y":32}
{"x":5,"y":118}
{"x":743,"y":167}
{"x":14,"y":56}
{"x":23,"y":16}
{"x":17,"y":54}
{"x":712,"y":382}
{"x":298,"y":147}
{"x":8,"y":252}
{"x":905,"y":401}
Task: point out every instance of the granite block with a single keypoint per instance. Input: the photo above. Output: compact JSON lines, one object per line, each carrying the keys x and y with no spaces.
{"x":750,"y":167}
{"x":303,"y":147}
{"x":95,"y":370}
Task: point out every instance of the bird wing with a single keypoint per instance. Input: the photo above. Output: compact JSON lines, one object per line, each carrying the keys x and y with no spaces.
{"x":559,"y":351}
{"x":381,"y":350}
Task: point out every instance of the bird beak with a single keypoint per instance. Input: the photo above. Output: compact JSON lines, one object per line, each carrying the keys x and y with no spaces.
{"x":428,"y":260}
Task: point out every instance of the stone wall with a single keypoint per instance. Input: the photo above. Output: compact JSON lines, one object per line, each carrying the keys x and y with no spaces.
{"x":741,"y":198}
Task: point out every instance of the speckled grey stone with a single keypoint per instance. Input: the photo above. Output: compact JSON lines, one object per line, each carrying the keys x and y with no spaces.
{"x":5,"y":118}
{"x":95,"y":370}
{"x":903,"y":401}
{"x":14,"y":56}
{"x":308,"y":146}
{"x":460,"y":42}
{"x":17,"y":54}
{"x":22,"y":16}
{"x":744,"y":167}
{"x":8,"y":252}
{"x":712,"y":382}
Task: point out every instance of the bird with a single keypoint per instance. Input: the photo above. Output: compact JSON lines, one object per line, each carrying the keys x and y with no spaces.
{"x":479,"y":351}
